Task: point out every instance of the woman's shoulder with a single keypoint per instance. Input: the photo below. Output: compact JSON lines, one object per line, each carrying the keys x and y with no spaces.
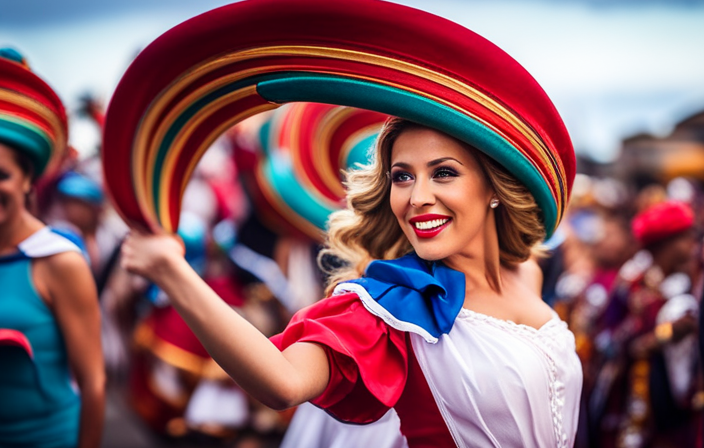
{"x":63,"y":263}
{"x":47,"y":242}
{"x":58,"y":263}
{"x":340,"y":304}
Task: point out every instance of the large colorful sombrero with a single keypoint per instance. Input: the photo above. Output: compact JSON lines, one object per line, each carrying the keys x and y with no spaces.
{"x":304,"y":147}
{"x":216,"y":69}
{"x":32,"y":117}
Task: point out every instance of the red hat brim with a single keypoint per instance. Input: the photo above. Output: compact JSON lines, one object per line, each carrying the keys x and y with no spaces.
{"x":216,"y":69}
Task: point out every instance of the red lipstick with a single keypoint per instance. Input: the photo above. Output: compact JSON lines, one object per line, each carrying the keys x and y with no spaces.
{"x":431,"y":229}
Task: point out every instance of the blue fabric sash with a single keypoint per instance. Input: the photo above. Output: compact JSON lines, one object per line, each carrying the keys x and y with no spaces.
{"x":426,"y":294}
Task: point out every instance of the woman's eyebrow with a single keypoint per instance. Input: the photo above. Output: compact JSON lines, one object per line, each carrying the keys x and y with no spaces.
{"x":432,"y":163}
{"x":442,"y":160}
{"x":403,"y":165}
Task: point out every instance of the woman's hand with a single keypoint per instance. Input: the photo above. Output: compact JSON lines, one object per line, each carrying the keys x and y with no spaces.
{"x":151,"y":255}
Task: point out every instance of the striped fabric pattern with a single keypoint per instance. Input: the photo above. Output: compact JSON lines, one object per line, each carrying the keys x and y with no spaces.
{"x":212,"y":71}
{"x":303,"y":148}
{"x":32,"y":117}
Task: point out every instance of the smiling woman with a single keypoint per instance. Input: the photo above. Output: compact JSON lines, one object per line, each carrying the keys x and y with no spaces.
{"x":517,"y":222}
{"x":49,"y":316}
{"x":440,"y":329}
{"x":435,"y":308}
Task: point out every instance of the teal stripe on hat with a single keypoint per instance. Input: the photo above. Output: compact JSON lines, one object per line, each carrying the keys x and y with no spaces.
{"x":337,"y":90}
{"x":12,"y":55}
{"x":29,"y":139}
{"x":189,"y":113}
{"x":279,"y":175}
{"x":285,"y":87}
{"x":264,"y":137}
{"x":361,"y":153}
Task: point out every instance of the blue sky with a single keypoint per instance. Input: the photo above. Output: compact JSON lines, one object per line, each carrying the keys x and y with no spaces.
{"x":613,"y":68}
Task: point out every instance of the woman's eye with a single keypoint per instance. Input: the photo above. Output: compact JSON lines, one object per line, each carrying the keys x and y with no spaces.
{"x":400,"y":176}
{"x":445,"y":172}
{"x":4,"y":175}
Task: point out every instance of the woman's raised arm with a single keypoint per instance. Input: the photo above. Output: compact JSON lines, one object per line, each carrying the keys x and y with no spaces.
{"x":277,"y":379}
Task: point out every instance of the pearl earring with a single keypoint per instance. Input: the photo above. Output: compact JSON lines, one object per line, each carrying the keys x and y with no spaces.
{"x":494,"y":203}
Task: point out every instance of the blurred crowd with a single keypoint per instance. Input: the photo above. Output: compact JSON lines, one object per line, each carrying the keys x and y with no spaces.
{"x":625,"y":273}
{"x":624,"y":270}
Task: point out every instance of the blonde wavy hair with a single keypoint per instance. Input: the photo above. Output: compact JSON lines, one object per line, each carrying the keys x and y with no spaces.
{"x":368,"y":230}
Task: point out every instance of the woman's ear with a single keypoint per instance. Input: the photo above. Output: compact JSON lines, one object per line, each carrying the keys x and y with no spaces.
{"x":492,"y":198}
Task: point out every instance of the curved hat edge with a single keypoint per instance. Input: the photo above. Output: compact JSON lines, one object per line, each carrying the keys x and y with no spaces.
{"x":385,"y":99}
{"x":31,"y":143}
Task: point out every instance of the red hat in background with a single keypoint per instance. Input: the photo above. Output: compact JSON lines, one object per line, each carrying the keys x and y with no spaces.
{"x":662,"y":221}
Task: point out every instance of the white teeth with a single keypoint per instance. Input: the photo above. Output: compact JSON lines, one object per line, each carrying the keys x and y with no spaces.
{"x":426,"y":225}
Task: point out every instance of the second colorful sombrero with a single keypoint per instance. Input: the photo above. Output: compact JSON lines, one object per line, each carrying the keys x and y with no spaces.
{"x":32,"y":117}
{"x":303,"y":149}
{"x":212,"y":71}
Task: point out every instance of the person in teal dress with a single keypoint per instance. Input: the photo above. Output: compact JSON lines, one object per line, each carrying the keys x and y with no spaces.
{"x":52,"y":380}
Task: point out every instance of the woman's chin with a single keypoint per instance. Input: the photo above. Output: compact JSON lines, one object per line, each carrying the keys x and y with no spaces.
{"x":429,"y":254}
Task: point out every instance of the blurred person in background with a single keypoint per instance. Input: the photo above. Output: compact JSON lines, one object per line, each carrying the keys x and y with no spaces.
{"x":565,"y":252}
{"x":584,"y":305}
{"x":80,"y":205}
{"x":77,"y":206}
{"x":52,"y":377}
{"x":645,"y":391}
{"x":78,"y":209}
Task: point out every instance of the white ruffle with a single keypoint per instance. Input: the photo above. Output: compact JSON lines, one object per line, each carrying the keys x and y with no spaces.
{"x":376,"y":309}
{"x":44,"y":243}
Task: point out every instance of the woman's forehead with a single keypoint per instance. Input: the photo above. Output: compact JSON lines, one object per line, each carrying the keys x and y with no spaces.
{"x":425,"y":144}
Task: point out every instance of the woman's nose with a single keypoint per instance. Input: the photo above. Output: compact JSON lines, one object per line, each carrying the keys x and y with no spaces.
{"x":422,"y":194}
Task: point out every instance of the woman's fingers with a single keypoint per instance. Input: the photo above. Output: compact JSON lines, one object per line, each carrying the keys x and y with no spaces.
{"x":146,"y":254}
